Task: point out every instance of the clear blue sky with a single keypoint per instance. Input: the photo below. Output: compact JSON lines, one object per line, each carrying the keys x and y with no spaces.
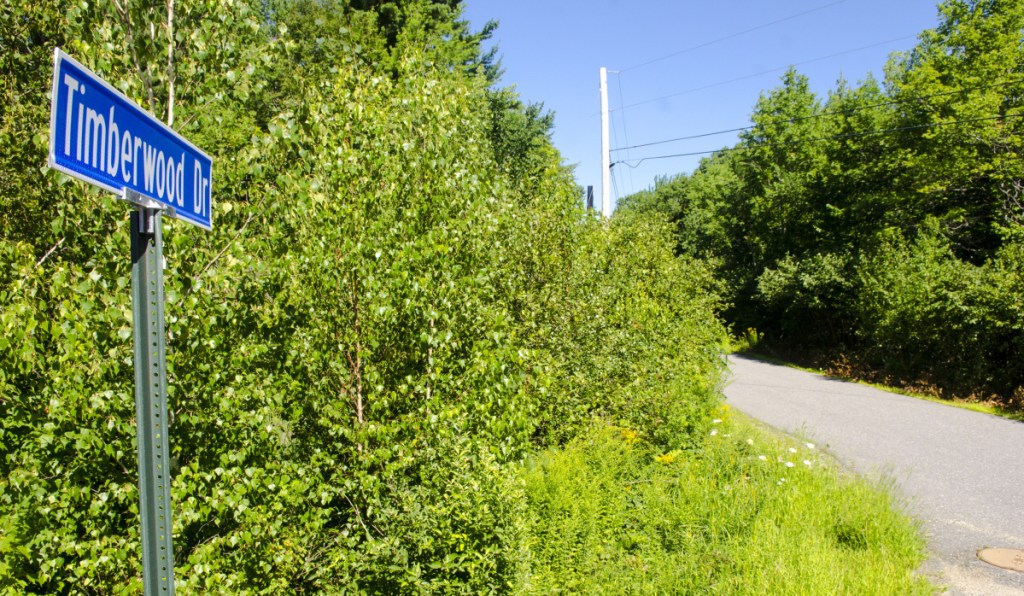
{"x":553,"y":49}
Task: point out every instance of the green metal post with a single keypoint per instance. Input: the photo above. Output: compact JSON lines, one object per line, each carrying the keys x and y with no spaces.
{"x":151,"y":402}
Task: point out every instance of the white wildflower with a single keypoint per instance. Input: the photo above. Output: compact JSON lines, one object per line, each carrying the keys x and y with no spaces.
{"x":790,"y":464}
{"x":809,"y":445}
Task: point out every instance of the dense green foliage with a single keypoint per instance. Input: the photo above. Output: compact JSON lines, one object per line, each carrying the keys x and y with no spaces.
{"x":400,"y":300}
{"x":748,"y":514}
{"x":885,"y":222}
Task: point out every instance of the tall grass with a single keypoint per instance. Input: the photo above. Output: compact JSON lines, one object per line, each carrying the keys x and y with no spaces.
{"x":749,"y":513}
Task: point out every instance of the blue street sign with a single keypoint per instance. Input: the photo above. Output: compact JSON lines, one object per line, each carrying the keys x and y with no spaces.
{"x":100,"y":136}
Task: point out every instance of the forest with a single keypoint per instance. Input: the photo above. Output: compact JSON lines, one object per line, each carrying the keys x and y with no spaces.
{"x":878,"y":231}
{"x":401,"y":298}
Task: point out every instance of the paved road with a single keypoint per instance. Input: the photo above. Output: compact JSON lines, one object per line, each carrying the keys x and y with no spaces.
{"x":962,"y":472}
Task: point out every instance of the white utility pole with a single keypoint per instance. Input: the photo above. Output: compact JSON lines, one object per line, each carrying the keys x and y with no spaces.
{"x":606,"y":159}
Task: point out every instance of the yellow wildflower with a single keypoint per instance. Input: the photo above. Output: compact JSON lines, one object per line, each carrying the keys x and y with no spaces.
{"x":667,"y":458}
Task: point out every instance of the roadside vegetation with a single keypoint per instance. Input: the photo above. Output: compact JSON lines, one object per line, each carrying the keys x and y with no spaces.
{"x":402,"y":346}
{"x":879,"y":231}
{"x":749,"y":512}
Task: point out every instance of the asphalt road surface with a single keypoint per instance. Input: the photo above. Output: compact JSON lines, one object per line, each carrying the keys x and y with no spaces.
{"x":962,"y":472}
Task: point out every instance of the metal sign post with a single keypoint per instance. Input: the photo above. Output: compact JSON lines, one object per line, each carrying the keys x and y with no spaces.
{"x":100,"y":136}
{"x":151,"y":401}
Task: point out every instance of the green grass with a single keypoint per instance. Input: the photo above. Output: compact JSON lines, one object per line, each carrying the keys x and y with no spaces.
{"x":613,"y":517}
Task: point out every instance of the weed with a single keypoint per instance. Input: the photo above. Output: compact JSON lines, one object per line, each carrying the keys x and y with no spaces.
{"x":746,"y":513}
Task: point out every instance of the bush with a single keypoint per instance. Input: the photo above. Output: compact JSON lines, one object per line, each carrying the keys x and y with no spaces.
{"x":924,"y":310}
{"x":807,"y":300}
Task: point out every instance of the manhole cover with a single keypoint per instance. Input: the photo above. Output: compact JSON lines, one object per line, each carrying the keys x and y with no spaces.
{"x":1007,"y":558}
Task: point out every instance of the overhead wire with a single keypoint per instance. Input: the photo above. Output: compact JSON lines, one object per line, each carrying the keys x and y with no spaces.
{"x":842,"y":112}
{"x":764,"y":72}
{"x":686,"y":138}
{"x":819,"y":139}
{"x":625,"y":131}
{"x":615,"y":184}
{"x":623,"y":107}
{"x":730,"y":36}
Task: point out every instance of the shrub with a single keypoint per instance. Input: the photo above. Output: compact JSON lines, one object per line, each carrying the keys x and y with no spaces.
{"x":924,"y":310}
{"x":807,"y":300}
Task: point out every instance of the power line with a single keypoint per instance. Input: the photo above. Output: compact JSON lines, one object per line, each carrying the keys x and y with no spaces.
{"x":611,"y":172}
{"x":730,"y":36}
{"x":843,"y":112}
{"x":615,"y":184}
{"x":625,"y":131}
{"x":764,"y":72}
{"x":686,"y":138}
{"x":819,"y":139}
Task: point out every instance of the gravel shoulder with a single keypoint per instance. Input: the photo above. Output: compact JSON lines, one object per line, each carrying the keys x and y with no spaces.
{"x":962,"y":472}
